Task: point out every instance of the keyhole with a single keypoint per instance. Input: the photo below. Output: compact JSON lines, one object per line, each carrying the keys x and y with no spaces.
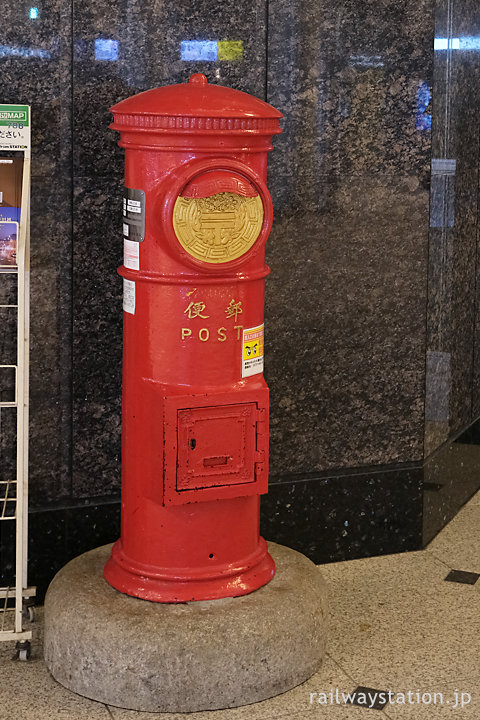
{"x":193,"y":443}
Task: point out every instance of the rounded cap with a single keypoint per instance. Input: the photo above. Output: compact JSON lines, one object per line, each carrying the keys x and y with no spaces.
{"x":194,"y":106}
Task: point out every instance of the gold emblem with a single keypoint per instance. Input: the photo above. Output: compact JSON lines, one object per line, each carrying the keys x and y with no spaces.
{"x":218,"y":228}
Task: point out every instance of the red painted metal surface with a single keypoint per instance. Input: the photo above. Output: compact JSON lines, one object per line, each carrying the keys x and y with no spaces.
{"x":195,"y":404}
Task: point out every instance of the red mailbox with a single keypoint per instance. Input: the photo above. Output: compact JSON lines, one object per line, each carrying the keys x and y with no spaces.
{"x":196,"y":215}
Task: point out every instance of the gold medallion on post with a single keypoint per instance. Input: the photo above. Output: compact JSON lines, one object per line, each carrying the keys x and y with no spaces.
{"x":218,"y":228}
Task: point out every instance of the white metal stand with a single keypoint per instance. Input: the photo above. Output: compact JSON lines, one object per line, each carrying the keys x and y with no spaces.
{"x":14,"y":605}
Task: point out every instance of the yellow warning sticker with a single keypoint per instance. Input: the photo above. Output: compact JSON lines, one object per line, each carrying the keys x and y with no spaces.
{"x":252,"y":349}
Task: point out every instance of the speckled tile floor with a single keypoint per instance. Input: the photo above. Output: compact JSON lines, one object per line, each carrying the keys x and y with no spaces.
{"x":396,"y":625}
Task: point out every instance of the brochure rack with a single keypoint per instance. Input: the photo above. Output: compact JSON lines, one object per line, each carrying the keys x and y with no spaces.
{"x":16,"y":598}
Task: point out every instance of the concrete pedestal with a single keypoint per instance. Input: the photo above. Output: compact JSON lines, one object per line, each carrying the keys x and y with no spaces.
{"x":193,"y":656}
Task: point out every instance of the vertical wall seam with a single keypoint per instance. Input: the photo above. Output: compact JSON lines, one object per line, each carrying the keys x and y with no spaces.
{"x":267,"y":38}
{"x":72,"y":184}
{"x":475,"y":284}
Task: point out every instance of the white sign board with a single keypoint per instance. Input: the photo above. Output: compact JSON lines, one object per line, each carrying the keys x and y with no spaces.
{"x":15,"y":128}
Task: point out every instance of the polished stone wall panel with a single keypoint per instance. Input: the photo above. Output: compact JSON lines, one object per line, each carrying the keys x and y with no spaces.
{"x":453,"y":267}
{"x":451,"y":477}
{"x":463,"y":300}
{"x":35,"y":57}
{"x":349,"y":516}
{"x":347,"y":77}
{"x":476,"y":349}
{"x":50,"y":344}
{"x":97,"y":338}
{"x":467,"y":139}
{"x":452,"y":313}
{"x":145,"y":51}
{"x":36,"y":69}
{"x":346,"y":302}
{"x":461,"y":138}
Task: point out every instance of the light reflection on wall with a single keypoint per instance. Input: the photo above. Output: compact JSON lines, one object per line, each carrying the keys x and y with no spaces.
{"x":194,"y":50}
{"x":211,"y":50}
{"x":106,"y":49}
{"x":468,"y":42}
{"x":424,"y":97}
{"x":26,"y":52}
{"x":367,"y":60}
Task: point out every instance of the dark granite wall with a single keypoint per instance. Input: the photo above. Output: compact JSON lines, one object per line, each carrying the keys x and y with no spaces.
{"x":363,"y":366}
{"x":350,"y":176}
{"x":149,"y":37}
{"x":36,"y":68}
{"x":452,"y":396}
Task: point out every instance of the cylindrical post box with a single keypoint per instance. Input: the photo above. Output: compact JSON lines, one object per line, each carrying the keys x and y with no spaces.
{"x":196,"y":215}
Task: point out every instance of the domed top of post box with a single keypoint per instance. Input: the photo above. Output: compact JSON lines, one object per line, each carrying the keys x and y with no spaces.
{"x":195,"y":107}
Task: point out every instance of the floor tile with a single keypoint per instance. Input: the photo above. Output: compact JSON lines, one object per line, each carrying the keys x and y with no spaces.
{"x":395,"y":620}
{"x":373,"y":698}
{"x":460,"y":576}
{"x":28,"y":692}
{"x":336,"y":713}
{"x":396,"y":624}
{"x":458,"y":543}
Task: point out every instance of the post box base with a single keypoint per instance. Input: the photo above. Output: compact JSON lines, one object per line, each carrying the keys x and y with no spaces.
{"x":252,"y":576}
{"x":203,"y":655}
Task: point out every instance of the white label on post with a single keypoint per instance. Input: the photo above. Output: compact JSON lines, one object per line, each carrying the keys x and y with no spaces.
{"x":129,"y":296}
{"x":131,"y":254}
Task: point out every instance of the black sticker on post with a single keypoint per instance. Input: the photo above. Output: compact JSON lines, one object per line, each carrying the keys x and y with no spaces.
{"x":133,"y":215}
